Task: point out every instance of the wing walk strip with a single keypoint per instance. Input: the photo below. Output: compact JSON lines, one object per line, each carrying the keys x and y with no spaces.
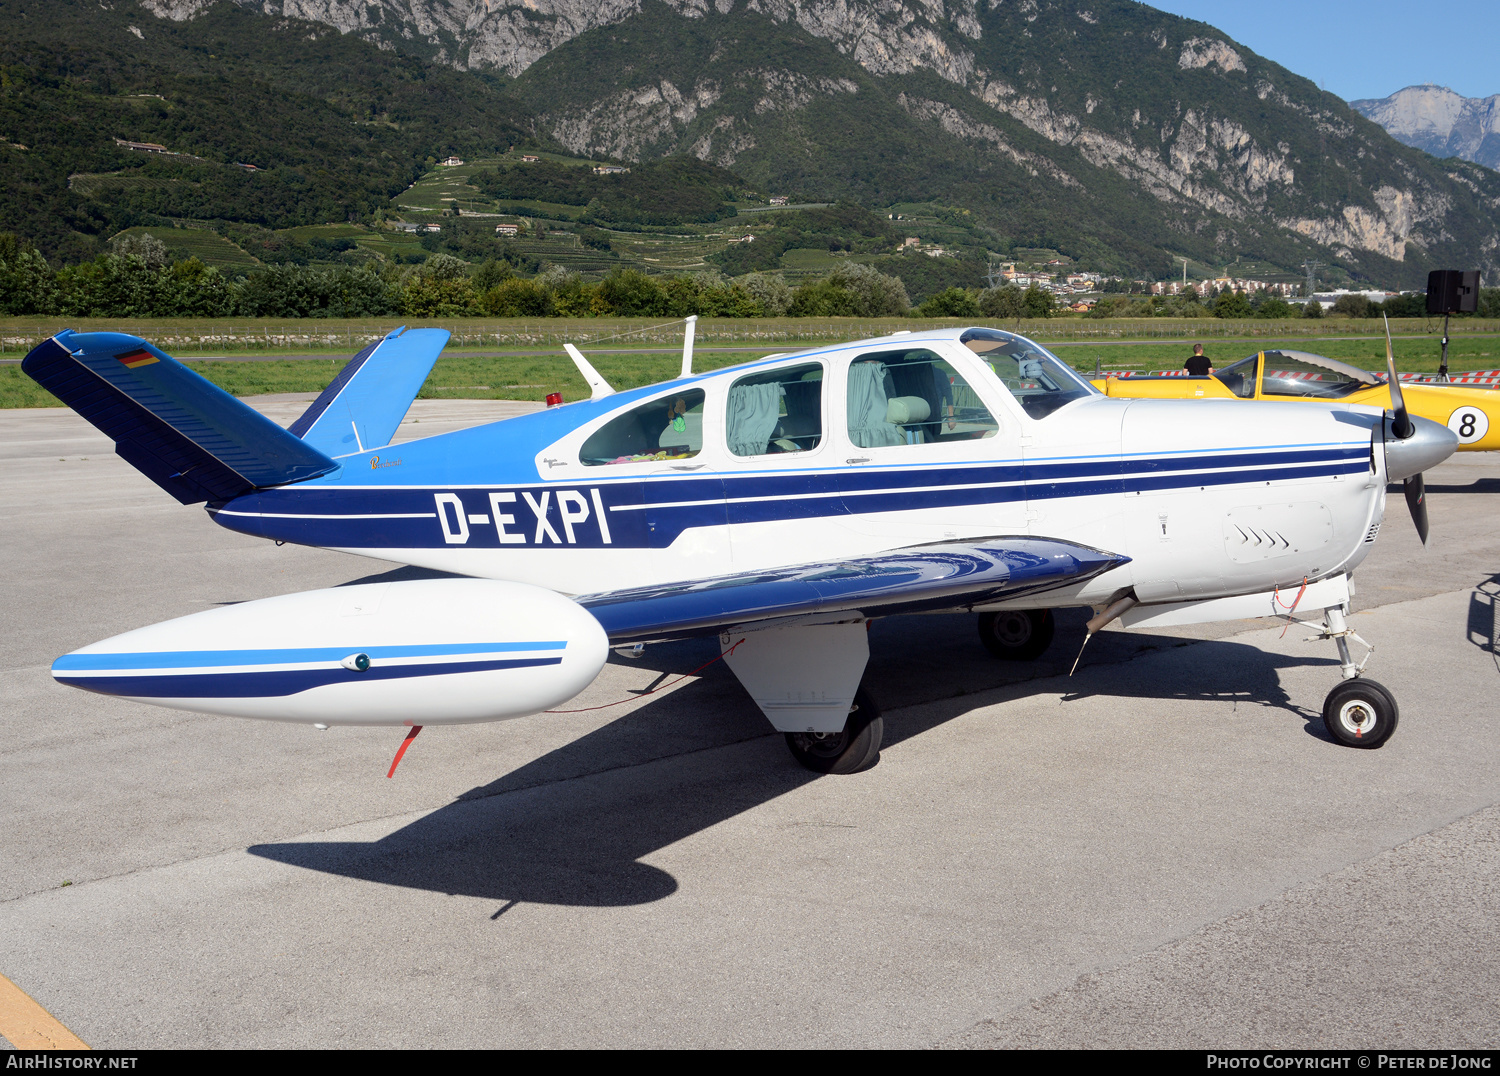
{"x":28,"y":1026}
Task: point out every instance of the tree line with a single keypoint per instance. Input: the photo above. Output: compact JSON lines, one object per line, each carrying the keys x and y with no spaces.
{"x":137,"y":278}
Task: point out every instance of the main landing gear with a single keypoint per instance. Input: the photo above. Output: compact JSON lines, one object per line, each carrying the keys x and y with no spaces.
{"x":1017,"y":634}
{"x":1358,"y":712}
{"x":847,"y":751}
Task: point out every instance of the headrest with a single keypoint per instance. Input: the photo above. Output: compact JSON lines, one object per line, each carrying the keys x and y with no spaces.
{"x":901,"y":410}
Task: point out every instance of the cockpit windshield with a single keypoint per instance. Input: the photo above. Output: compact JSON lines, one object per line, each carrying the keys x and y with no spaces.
{"x":1297,"y":373}
{"x":1038,"y":379}
{"x":1240,"y":378}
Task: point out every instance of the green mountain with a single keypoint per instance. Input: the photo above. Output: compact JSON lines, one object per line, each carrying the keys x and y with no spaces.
{"x":333,"y":125}
{"x":1116,"y":134}
{"x":1110,"y":131}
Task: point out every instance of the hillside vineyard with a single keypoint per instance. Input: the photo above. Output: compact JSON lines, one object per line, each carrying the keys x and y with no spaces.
{"x":1108,"y":130}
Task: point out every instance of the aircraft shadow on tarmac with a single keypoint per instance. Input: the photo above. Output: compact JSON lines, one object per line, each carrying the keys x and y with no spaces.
{"x":573,"y":826}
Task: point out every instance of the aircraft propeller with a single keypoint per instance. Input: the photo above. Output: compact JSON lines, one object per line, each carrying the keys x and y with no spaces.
{"x":1402,"y":428}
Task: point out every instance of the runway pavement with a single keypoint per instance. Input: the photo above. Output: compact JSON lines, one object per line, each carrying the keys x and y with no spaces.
{"x":1165,"y":849}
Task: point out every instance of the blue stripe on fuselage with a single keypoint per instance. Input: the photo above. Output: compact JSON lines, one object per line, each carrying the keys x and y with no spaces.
{"x":653,"y":511}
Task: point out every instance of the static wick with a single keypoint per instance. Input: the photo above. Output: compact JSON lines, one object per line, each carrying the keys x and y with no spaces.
{"x":400,"y":751}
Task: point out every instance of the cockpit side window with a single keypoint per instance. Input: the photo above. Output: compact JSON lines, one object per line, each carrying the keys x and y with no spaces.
{"x":775,"y":411}
{"x":667,"y":428}
{"x":1287,"y":373}
{"x":912,"y":397}
{"x":1239,"y":378}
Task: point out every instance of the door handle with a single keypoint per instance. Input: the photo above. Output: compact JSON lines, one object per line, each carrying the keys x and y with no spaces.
{"x":861,"y":459}
{"x":689,"y":466}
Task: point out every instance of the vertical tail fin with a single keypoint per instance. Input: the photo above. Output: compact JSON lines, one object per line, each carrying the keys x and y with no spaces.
{"x":363,"y":406}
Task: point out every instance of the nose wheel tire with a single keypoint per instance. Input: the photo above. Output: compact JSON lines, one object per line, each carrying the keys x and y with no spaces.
{"x":1360,"y":713}
{"x":1017,"y":634}
{"x":848,"y":751}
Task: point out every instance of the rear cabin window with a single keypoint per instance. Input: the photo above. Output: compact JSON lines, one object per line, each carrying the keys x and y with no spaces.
{"x":913,"y":397}
{"x":667,"y":428}
{"x":776,"y":411}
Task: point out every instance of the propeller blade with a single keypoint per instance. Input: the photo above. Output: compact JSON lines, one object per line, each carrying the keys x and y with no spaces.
{"x":1416,"y":500}
{"x":1402,"y":427}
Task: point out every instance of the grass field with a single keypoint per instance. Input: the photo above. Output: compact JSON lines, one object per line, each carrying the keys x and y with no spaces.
{"x":184,"y":336}
{"x":497,"y":377}
{"x":505,"y":364}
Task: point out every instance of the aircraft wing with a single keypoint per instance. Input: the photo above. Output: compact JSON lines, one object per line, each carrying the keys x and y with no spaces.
{"x":947,"y":575}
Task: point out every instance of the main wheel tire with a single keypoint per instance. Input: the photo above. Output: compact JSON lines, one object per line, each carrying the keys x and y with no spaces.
{"x":848,"y":751}
{"x":1017,"y":634}
{"x":1360,"y":713}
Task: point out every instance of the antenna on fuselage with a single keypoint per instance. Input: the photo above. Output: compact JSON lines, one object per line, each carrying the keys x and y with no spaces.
{"x":598,"y":387}
{"x":687,"y":345}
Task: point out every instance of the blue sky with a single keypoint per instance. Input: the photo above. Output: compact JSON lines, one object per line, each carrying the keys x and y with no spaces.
{"x":1371,"y":48}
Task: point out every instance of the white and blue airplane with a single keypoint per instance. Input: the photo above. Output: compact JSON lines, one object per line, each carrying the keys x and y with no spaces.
{"x":779,"y":505}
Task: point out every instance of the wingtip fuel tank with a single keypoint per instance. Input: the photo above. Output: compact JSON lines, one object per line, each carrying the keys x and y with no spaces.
{"x":428,"y":652}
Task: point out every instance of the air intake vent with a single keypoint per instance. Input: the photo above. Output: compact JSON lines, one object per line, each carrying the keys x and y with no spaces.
{"x":1264,"y":531}
{"x":1373,"y":531}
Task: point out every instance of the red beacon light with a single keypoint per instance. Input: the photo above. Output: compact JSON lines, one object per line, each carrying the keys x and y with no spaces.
{"x":553,"y":399}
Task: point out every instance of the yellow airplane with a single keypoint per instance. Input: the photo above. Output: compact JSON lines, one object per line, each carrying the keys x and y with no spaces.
{"x":1470,"y":411}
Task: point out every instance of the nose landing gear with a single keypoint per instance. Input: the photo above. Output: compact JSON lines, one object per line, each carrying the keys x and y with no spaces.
{"x":1358,"y":712}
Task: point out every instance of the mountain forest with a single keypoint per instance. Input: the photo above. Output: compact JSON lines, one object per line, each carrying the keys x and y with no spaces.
{"x":641,"y":138}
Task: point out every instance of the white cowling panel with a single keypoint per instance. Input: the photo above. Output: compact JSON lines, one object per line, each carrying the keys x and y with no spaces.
{"x":1318,"y":596}
{"x":803,"y":678}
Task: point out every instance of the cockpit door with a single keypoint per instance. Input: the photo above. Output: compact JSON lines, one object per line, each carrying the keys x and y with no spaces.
{"x":930,"y":454}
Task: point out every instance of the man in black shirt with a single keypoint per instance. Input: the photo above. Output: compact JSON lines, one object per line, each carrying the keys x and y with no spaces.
{"x":1198,"y":365}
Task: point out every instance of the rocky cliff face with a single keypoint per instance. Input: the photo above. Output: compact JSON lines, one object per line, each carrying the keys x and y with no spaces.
{"x":1435,"y":119}
{"x":1108,"y":102}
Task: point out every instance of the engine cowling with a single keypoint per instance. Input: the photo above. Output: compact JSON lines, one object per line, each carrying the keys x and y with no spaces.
{"x":420,"y":652}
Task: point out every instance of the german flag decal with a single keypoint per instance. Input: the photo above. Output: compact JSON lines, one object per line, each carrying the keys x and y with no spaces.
{"x":139,"y":357}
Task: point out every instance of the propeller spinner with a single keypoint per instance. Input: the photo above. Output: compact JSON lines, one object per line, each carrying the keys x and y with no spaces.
{"x":1412,"y":445}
